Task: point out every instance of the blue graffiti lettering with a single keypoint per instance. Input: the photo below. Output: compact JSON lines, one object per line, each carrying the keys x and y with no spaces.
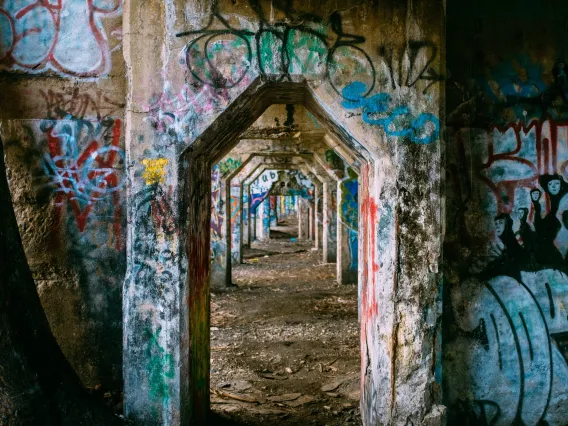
{"x":396,"y":121}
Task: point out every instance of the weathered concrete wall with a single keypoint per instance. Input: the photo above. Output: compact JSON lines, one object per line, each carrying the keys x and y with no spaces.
{"x":506,"y":324}
{"x":369,"y":73}
{"x":62,"y":98}
{"x":387,"y":114}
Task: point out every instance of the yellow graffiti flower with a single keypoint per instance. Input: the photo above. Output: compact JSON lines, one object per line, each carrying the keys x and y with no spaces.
{"x":154,"y":172}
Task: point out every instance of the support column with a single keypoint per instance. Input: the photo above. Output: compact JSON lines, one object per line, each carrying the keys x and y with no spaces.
{"x":304,"y":217}
{"x":258,"y":222}
{"x":253,"y":225}
{"x":250,"y":225}
{"x":263,"y":220}
{"x":245,"y":219}
{"x":300,"y":219}
{"x":310,"y":223}
{"x":329,"y":244}
{"x":317,"y":221}
{"x":236,"y":210}
{"x":347,"y":235}
{"x":220,"y":235}
{"x":273,"y":210}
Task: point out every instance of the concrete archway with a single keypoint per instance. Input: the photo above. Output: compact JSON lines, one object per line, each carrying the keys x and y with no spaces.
{"x":196,"y":162}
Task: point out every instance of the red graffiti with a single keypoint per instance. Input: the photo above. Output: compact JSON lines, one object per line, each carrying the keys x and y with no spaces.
{"x":84,"y":178}
{"x":162,"y":213}
{"x":530,"y":158}
{"x":369,"y":210}
{"x":66,"y":36}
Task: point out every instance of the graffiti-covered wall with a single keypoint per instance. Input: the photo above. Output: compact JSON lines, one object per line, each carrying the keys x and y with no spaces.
{"x":111,"y":149}
{"x":506,"y":324}
{"x":62,"y":111}
{"x":370,"y":74}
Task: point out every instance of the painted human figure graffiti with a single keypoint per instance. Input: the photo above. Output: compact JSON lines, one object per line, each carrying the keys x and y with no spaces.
{"x":507,"y":321}
{"x":531,"y":246}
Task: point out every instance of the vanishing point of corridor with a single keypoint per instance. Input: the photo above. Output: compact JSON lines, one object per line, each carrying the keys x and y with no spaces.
{"x":285,"y":339}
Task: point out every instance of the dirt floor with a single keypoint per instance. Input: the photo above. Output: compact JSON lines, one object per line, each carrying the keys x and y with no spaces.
{"x":285,"y":340}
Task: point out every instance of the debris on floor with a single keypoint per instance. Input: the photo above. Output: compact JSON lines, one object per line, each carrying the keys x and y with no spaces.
{"x":285,"y":342}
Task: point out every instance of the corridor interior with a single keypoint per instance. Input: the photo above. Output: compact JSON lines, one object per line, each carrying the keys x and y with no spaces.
{"x":284,"y":337}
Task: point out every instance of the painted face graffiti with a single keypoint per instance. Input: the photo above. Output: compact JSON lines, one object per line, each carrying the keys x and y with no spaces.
{"x":554,"y":187}
{"x":499,"y":226}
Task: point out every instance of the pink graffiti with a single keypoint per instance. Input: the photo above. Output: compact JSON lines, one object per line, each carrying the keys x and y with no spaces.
{"x":66,"y":36}
{"x":172,"y":109}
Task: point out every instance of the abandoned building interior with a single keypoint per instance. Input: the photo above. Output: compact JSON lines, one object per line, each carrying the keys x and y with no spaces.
{"x":241,"y":212}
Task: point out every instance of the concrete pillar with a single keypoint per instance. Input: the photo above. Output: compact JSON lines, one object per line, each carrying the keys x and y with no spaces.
{"x":298,"y":216}
{"x":347,"y":236}
{"x":236,"y":209}
{"x":329,"y":237}
{"x":310,"y":223}
{"x":263,"y":220}
{"x":273,"y":212}
{"x":317,"y":221}
{"x":253,"y":225}
{"x":221,"y":237}
{"x":251,"y":220}
{"x":304,"y":218}
{"x":245,"y":219}
{"x":258,"y":222}
{"x":298,"y":204}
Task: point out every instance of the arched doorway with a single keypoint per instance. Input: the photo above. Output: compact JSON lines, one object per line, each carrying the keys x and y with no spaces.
{"x":196,"y":163}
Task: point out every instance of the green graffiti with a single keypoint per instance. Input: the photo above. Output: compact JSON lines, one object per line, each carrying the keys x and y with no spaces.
{"x":229,"y":165}
{"x":160,"y":367}
{"x":334,"y":160}
{"x":349,"y":199}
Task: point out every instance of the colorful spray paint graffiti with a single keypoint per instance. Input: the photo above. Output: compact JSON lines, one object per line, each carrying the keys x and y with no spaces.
{"x":174,"y":113}
{"x":228,"y":165}
{"x":66,"y":36}
{"x":260,"y":187}
{"x":154,"y":170}
{"x":74,"y":103}
{"x":277,"y":48}
{"x":518,"y":78}
{"x":160,"y":367}
{"x":350,"y":216}
{"x":219,"y":211}
{"x":265,"y":216}
{"x":236,"y":212}
{"x":86,"y":166}
{"x":218,"y":249}
{"x":222,"y":57}
{"x":154,"y":249}
{"x":521,"y":88}
{"x":510,"y":325}
{"x":395,"y":120}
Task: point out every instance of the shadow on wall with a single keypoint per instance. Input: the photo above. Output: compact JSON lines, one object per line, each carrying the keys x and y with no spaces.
{"x":66,"y":177}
